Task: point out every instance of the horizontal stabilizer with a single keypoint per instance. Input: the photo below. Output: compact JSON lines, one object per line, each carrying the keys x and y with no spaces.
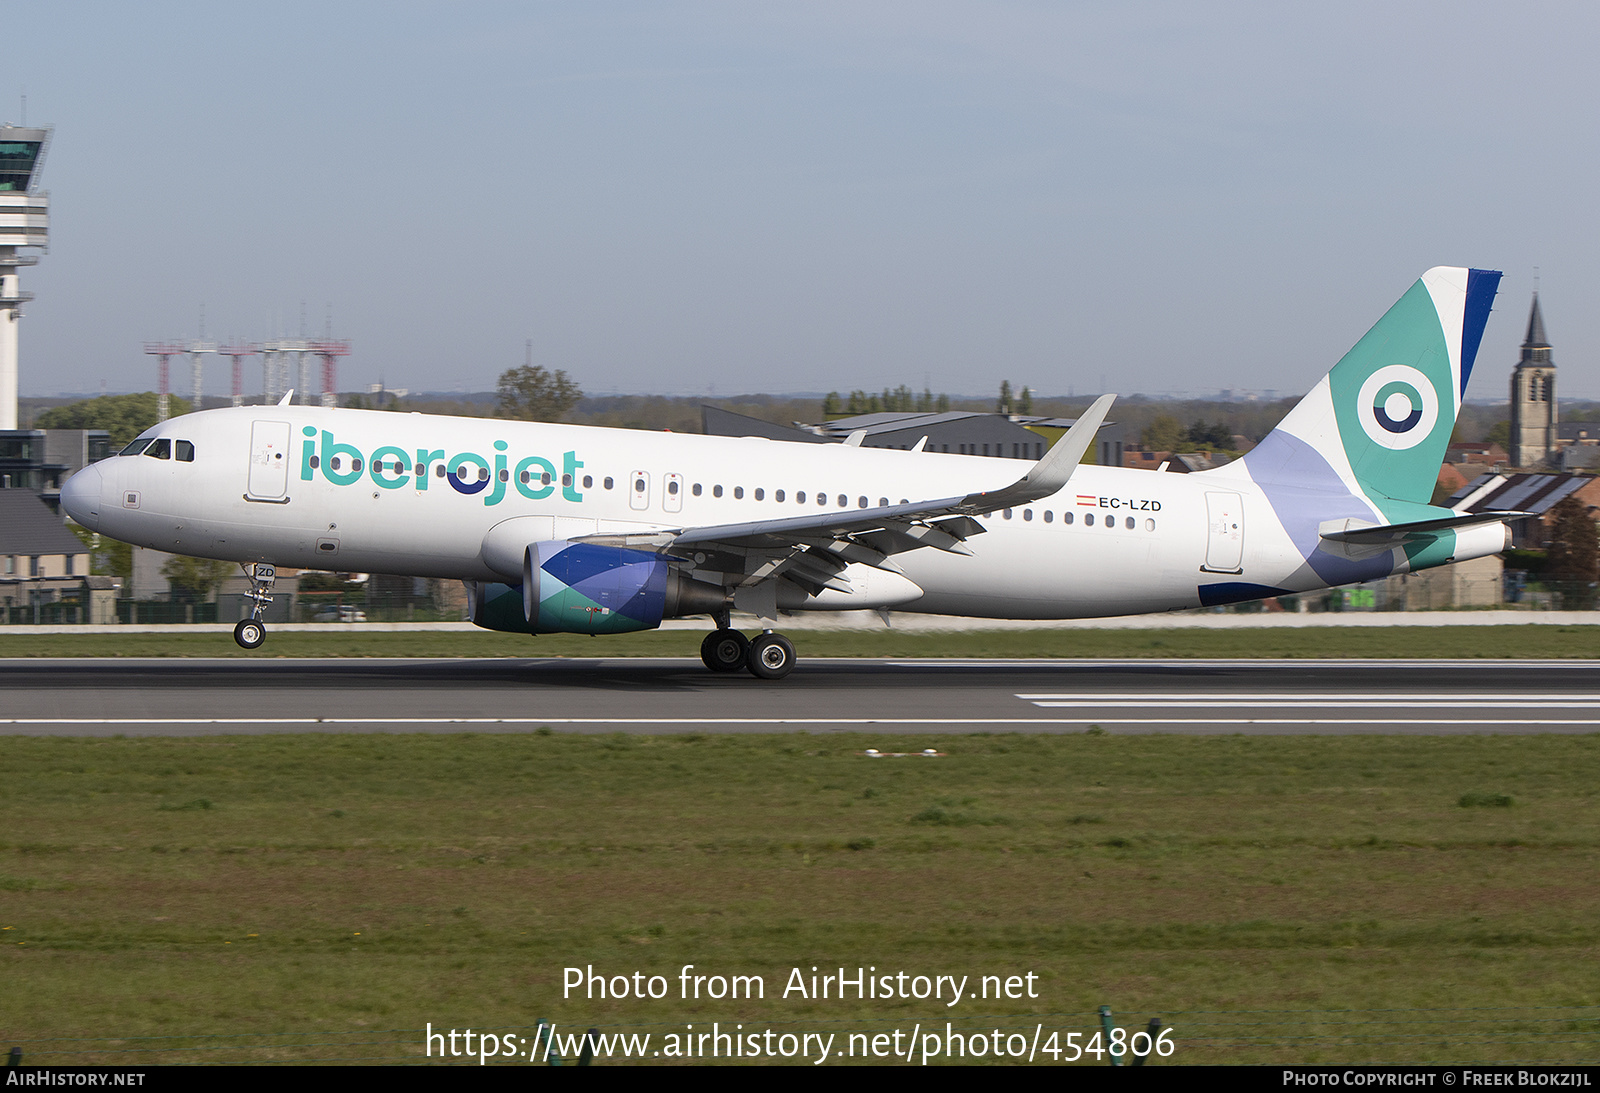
{"x":1395,"y":534}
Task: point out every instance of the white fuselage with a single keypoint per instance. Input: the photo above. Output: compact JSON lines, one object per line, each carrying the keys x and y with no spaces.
{"x":319,"y":488}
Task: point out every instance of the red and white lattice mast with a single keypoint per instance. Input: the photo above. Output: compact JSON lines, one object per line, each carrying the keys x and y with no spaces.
{"x":165,"y":351}
{"x":239,"y":351}
{"x":330,"y":350}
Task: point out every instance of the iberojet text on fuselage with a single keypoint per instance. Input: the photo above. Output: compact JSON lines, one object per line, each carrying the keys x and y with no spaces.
{"x":391,"y":467}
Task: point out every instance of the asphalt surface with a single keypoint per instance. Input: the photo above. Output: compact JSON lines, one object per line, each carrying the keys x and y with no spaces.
{"x":165,"y":697}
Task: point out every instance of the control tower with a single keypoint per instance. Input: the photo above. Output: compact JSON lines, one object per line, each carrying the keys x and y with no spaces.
{"x":24,"y":222}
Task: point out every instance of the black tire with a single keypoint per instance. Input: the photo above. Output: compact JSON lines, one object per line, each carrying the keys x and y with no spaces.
{"x":724,"y":650}
{"x":250,"y":634}
{"x":770,"y":657}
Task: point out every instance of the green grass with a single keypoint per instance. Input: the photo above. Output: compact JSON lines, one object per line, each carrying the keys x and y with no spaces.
{"x":1531,"y":641}
{"x":334,"y":884}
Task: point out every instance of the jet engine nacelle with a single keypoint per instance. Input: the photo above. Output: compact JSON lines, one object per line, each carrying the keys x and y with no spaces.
{"x":585,"y":588}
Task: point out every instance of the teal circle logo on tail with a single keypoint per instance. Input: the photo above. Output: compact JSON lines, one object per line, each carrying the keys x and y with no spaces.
{"x":1398,"y":407}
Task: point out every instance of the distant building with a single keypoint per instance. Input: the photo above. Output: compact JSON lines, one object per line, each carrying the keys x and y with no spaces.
{"x":1535,"y":493}
{"x":41,"y":562}
{"x":41,"y":459}
{"x":1533,"y":398}
{"x":1478,"y":583}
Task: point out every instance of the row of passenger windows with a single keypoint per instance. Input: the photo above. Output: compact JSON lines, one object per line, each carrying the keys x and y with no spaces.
{"x":759,"y":494}
{"x":1130,"y":523}
{"x":698,"y":490}
{"x":161,"y":448}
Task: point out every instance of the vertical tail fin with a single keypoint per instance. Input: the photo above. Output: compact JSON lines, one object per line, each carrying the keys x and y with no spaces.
{"x":1378,"y":424}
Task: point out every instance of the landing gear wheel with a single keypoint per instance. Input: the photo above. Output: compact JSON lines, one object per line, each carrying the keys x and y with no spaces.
{"x":770,"y":657}
{"x":724,"y":650}
{"x":250,"y":634}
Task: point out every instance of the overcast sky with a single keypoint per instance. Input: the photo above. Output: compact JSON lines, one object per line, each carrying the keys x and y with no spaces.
{"x":686,"y":198}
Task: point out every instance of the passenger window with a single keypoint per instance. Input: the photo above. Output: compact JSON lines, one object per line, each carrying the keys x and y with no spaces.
{"x":1048,"y":516}
{"x":566,"y":480}
{"x":608,"y":483}
{"x":844,"y":502}
{"x":1007,"y":514}
{"x":185,"y":451}
{"x":800,"y":498}
{"x":1130,"y":523}
{"x":776,"y":496}
{"x":544,"y":478}
{"x":161,"y":449}
{"x":672,"y":486}
{"x":1027,"y":514}
{"x":638,"y":484}
{"x":738,"y":492}
{"x":1149,"y":525}
{"x":861,"y":502}
{"x":822,"y":499}
{"x":438,"y":472}
{"x":1088,"y":519}
{"x":761,"y":495}
{"x":505,"y":475}
{"x":136,"y":447}
{"x":588,"y":481}
{"x":1066,"y":517}
{"x":355,"y":464}
{"x":316,"y":461}
{"x":695,"y":489}
{"x":525,"y":476}
{"x":334,"y":463}
{"x":883,"y":502}
{"x":716,"y":491}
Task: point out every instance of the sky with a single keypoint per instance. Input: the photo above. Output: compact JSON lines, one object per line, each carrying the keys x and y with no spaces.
{"x":724,"y":198}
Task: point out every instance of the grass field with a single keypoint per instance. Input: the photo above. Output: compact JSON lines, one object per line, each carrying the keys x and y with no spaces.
{"x":1272,"y":899}
{"x":1533,"y":641}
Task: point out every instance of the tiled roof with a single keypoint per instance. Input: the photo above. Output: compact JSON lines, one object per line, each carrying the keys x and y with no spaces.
{"x":27,"y":526}
{"x":1518,"y":492}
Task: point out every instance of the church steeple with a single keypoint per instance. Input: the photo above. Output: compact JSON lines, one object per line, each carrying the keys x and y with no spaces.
{"x":1535,"y":339}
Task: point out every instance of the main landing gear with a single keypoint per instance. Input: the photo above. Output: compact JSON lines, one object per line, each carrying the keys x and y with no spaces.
{"x":767,"y":656}
{"x":251,"y":632}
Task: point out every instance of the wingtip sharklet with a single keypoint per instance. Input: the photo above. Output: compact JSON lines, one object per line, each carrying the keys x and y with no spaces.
{"x":1051,"y":473}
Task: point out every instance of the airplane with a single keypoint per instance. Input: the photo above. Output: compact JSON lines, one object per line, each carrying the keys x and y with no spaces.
{"x":576,"y":529}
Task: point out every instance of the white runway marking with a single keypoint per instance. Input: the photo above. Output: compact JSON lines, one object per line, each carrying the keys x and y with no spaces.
{"x":1253,"y":700}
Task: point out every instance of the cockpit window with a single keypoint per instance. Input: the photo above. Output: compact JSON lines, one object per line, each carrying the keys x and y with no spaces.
{"x":161,"y":449}
{"x":136,"y":447}
{"x":185,"y":451}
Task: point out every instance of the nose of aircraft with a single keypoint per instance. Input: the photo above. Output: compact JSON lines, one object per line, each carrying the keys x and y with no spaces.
{"x":80,"y":496}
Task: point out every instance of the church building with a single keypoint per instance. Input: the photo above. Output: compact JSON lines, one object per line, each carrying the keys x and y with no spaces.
{"x":1533,"y":398}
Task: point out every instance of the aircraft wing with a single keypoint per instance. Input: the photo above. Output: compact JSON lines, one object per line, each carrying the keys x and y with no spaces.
{"x":812,"y":550}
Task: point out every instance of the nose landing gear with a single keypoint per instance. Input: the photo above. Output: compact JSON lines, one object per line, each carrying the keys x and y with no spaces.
{"x":251,"y":632}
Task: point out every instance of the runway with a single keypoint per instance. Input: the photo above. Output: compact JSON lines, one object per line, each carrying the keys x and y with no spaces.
{"x":188,"y":697}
